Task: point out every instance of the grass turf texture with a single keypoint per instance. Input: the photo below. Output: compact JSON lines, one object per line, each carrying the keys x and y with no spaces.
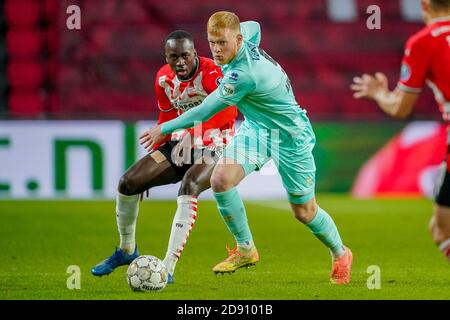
{"x":40,"y":239}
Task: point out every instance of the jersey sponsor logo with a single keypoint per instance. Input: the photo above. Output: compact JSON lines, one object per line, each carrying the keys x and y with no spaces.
{"x":184,"y":96}
{"x":405,"y":72}
{"x":234,"y":76}
{"x":227,"y":90}
{"x":187,"y":105}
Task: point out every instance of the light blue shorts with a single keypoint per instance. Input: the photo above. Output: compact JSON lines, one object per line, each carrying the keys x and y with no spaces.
{"x":252,"y":148}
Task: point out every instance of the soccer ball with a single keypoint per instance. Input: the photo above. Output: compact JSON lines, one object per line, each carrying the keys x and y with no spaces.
{"x":147,"y":273}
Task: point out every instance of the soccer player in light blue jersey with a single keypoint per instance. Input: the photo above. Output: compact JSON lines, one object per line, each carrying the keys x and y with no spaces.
{"x":275,"y":127}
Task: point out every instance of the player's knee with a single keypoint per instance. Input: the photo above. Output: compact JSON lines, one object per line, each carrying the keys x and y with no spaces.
{"x":220,"y":182}
{"x":305,"y":212}
{"x":189,"y":186}
{"x":127,"y":186}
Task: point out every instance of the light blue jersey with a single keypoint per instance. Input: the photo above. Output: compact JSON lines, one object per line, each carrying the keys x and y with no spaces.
{"x":260,"y":88}
{"x":275,"y":126}
{"x":257,"y":85}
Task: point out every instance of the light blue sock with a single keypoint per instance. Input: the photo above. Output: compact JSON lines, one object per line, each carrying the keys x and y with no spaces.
{"x":324,"y":228}
{"x":232,"y":209}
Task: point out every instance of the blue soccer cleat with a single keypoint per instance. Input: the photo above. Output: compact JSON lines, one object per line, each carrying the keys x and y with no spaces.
{"x":119,"y":258}
{"x":170,"y":278}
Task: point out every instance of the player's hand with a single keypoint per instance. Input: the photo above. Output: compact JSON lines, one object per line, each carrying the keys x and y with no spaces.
{"x":369,"y":87}
{"x":151,"y":137}
{"x":182,"y":151}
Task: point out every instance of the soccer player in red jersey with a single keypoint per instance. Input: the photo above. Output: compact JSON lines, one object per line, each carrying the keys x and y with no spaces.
{"x":426,"y":59}
{"x":188,"y":157}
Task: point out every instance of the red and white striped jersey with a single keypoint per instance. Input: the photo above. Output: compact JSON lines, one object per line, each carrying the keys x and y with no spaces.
{"x":427,"y":59}
{"x":175,"y":97}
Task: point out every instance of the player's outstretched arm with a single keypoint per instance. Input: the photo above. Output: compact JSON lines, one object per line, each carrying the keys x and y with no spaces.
{"x":210,"y":106}
{"x":396,"y":103}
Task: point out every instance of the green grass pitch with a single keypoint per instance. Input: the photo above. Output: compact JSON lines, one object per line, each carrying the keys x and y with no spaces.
{"x":40,"y":239}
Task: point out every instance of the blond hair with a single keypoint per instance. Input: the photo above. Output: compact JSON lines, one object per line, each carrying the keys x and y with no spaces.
{"x":223,"y":20}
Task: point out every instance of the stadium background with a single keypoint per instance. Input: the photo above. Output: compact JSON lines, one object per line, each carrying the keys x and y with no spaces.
{"x":72,"y":103}
{"x":106,"y":70}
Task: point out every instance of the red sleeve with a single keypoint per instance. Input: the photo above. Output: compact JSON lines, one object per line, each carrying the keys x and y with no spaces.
{"x":166,"y":111}
{"x":415,"y":64}
{"x":225,"y":118}
{"x":211,"y":78}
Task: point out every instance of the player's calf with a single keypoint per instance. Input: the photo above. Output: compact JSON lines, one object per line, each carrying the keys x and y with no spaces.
{"x":182,"y":225}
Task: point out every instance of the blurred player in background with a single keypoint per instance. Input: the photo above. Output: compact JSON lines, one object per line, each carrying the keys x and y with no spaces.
{"x":183,"y":83}
{"x":275,"y":127}
{"x":426,"y":59}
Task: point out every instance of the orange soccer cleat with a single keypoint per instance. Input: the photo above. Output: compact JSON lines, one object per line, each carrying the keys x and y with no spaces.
{"x":342,"y":268}
{"x":237,"y":258}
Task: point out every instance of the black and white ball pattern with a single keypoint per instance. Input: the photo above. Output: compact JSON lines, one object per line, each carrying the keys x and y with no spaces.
{"x":147,"y":273}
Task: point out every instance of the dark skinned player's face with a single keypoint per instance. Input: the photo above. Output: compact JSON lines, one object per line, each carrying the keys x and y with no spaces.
{"x":181,"y":56}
